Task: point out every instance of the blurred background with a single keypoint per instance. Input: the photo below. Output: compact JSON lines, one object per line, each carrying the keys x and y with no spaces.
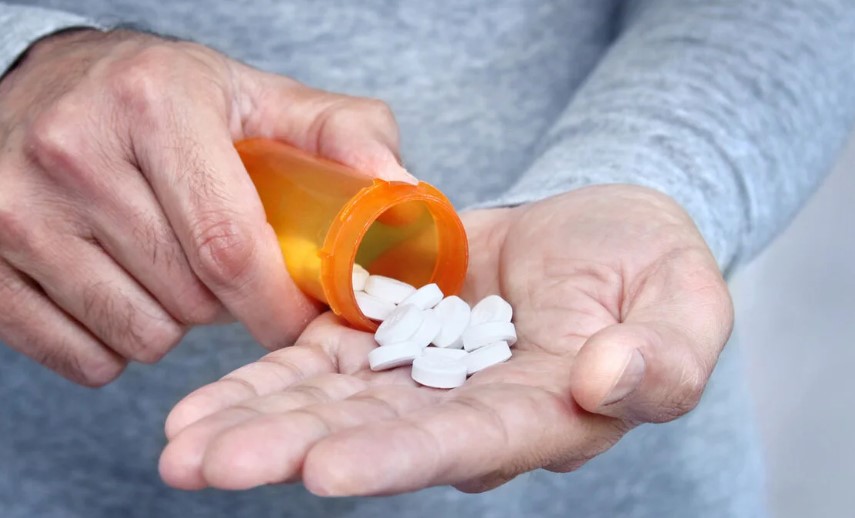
{"x":795,"y":305}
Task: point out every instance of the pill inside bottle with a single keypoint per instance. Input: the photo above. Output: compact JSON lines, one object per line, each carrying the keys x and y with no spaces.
{"x":328,"y":217}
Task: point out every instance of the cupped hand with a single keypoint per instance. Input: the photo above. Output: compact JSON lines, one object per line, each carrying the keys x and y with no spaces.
{"x":126,"y":215}
{"x":621,"y":313}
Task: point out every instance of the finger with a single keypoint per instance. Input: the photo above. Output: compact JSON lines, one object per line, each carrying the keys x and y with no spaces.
{"x":484,"y":431}
{"x":653,"y":367}
{"x":181,"y":461}
{"x":86,"y":283}
{"x":215,"y":211}
{"x":358,"y":132}
{"x":124,"y":216}
{"x":132,"y":228}
{"x":253,"y":453}
{"x":31,"y":324}
{"x":276,"y":371}
{"x":326,"y":346}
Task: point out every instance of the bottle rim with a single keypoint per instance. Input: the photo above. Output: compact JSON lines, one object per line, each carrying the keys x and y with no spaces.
{"x":338,"y":253}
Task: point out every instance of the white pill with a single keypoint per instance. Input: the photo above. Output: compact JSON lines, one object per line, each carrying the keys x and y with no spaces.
{"x":438,"y":373}
{"x":388,"y":289}
{"x":487,"y":356}
{"x":478,"y":336}
{"x":400,"y":325}
{"x":453,"y":313}
{"x":445,"y":354}
{"x":428,"y":330}
{"x":491,"y":309}
{"x":391,"y":356}
{"x":373,"y":307}
{"x":425,"y":297}
{"x":358,"y":277}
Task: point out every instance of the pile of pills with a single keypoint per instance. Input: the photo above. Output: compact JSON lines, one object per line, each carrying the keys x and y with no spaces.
{"x":441,"y":337}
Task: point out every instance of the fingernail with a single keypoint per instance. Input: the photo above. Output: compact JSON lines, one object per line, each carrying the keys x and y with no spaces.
{"x":396,"y":173}
{"x":408,"y":177}
{"x":629,"y":379}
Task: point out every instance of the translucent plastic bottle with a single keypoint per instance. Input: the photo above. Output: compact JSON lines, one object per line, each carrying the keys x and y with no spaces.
{"x":327,"y":217}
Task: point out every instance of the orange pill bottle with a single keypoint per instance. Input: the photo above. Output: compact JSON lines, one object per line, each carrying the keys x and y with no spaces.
{"x":327,"y":217}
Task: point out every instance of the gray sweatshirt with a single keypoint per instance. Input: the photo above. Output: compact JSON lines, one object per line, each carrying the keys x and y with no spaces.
{"x":736,"y":108}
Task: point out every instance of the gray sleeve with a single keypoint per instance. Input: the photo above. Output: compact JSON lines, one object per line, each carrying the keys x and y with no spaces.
{"x":21,"y":26}
{"x":735,"y":108}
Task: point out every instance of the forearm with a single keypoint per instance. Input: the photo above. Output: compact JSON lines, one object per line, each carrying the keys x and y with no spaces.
{"x":22,"y":26}
{"x":735,"y":108}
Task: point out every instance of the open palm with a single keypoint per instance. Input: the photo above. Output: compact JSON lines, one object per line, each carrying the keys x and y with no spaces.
{"x":621,"y":313}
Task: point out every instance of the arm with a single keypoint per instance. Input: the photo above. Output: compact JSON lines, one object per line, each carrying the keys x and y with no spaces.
{"x":735,"y":109}
{"x":22,"y":26}
{"x":119,"y":146}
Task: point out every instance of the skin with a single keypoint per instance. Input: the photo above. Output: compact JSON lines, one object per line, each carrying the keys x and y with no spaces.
{"x":126,"y":216}
{"x":601,"y":279}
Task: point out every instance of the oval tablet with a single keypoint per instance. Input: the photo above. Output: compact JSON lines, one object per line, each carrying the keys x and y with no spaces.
{"x":373,"y":307}
{"x":425,"y":297}
{"x":358,"y":277}
{"x":428,"y":330}
{"x":489,"y":333}
{"x":401,"y":324}
{"x":445,"y":354}
{"x":487,"y":356}
{"x":438,"y":373}
{"x":453,"y":313}
{"x":388,"y":289}
{"x":391,"y":356}
{"x":491,"y":309}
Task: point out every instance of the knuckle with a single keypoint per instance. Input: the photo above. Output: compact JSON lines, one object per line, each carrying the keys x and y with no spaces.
{"x":379,"y":109}
{"x":53,"y":139}
{"x":28,"y":241}
{"x":126,"y":327}
{"x":687,"y":394}
{"x":97,"y":373}
{"x":89,"y":370}
{"x":159,"y":337}
{"x":138,"y":82}
{"x":188,"y":298}
{"x":16,"y":295}
{"x":223,"y":250}
{"x":151,"y":342}
{"x":199,"y":307}
{"x":13,"y":227}
{"x":341,"y":114}
{"x":155,"y":239}
{"x":383,"y":116}
{"x":11,"y":289}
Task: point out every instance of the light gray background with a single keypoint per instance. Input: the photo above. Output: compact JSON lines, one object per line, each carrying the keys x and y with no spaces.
{"x":795,"y":309}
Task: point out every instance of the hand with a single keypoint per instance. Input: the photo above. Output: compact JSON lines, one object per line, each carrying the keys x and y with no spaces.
{"x":126,"y":215}
{"x":621,"y":313}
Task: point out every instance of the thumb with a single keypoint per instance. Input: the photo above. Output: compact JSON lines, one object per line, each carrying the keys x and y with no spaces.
{"x":358,"y":132}
{"x":654,"y":365}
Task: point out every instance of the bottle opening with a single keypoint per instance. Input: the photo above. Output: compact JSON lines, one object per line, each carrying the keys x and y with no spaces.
{"x":410,"y":233}
{"x":401,"y":243}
